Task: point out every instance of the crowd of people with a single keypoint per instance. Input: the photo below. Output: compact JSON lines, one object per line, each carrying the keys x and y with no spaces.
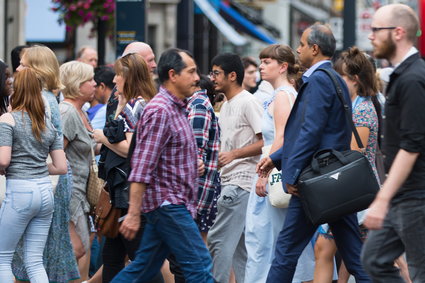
{"x":187,"y":161}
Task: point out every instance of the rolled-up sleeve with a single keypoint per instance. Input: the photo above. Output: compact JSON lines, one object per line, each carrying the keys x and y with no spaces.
{"x":153,"y":132}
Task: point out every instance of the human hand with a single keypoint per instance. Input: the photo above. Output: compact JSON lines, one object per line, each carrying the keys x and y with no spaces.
{"x":264,"y":167}
{"x":293,"y":190}
{"x":201,"y":167}
{"x":225,"y":158}
{"x":260,"y":186}
{"x":98,"y":136}
{"x":376,"y":213}
{"x":130,"y":226}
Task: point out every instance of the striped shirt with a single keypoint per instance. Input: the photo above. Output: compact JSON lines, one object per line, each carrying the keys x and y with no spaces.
{"x":207,"y":134}
{"x":165,"y":154}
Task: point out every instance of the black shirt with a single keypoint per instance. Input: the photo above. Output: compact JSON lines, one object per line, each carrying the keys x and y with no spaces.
{"x":404,"y":126}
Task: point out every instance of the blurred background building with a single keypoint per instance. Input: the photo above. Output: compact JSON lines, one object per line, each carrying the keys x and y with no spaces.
{"x":205,"y":27}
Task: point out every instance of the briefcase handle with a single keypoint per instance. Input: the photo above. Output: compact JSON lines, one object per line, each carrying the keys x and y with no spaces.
{"x":323,"y":154}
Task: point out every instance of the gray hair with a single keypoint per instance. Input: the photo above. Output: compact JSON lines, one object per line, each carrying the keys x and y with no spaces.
{"x":322,"y":36}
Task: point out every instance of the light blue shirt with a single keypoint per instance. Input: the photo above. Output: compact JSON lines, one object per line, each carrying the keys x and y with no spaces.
{"x":314,"y":68}
{"x":99,"y":119}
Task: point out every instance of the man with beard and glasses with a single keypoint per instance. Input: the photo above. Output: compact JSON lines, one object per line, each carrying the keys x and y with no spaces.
{"x":397,"y":215}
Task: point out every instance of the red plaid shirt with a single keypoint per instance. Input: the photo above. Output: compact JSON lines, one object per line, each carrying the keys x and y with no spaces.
{"x":165,"y":154}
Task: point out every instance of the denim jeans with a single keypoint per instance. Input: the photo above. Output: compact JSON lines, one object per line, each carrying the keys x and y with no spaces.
{"x":403,"y":231}
{"x":115,"y":251}
{"x":26,"y":211}
{"x":169,"y":229}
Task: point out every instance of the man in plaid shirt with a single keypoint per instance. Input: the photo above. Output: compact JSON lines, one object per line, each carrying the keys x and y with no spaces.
{"x":164,"y":179}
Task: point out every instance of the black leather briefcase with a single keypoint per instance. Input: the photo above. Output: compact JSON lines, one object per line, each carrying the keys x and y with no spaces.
{"x":336,"y":184}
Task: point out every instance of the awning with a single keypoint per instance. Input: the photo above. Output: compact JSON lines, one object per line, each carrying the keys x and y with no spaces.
{"x":243,"y":24}
{"x":311,"y":11}
{"x":227,"y":30}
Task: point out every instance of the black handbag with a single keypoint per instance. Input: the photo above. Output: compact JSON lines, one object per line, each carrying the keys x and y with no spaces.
{"x":337,"y":183}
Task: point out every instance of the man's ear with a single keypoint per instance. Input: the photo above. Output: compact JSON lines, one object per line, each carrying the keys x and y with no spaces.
{"x":316,"y":49}
{"x":399,"y":33}
{"x":232,"y":76}
{"x":172,"y":75}
{"x":102,"y":86}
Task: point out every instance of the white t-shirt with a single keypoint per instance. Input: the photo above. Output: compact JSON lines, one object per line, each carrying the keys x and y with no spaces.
{"x":240,"y":121}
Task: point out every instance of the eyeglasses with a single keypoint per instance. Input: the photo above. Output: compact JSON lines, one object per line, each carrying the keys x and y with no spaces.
{"x":215,"y":73}
{"x":375,"y":29}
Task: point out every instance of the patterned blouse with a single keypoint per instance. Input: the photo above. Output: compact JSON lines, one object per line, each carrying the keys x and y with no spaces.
{"x":364,"y":115}
{"x":131,"y":113}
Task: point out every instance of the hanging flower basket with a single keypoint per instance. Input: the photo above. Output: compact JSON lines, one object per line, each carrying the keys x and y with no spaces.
{"x":75,"y":13}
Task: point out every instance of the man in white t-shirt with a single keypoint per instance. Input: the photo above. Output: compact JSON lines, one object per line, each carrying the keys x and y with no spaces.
{"x":241,"y":142}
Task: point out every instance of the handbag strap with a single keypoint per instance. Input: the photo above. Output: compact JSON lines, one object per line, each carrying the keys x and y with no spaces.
{"x":93,"y":156}
{"x":347,"y":111}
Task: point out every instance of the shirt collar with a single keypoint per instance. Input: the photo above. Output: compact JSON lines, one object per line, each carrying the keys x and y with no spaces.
{"x":314,"y":68}
{"x":172,"y":97}
{"x":412,"y":51}
{"x":202,"y":92}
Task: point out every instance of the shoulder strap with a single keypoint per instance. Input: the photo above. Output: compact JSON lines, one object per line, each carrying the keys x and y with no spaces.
{"x":347,"y":111}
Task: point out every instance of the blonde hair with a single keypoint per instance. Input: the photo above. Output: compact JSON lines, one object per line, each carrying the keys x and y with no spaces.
{"x":72,"y":75}
{"x":27,"y":97}
{"x":44,"y":62}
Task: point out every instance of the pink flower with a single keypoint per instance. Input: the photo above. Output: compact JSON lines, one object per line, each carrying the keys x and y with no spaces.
{"x":104,"y":18}
{"x":81,"y":13}
{"x":72,"y":7}
{"x":68,"y":28}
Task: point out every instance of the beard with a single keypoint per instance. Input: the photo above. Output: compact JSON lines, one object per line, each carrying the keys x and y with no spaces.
{"x":386,"y":50}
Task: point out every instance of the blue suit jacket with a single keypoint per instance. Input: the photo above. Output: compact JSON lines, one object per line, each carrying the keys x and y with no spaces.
{"x":316,"y":122}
